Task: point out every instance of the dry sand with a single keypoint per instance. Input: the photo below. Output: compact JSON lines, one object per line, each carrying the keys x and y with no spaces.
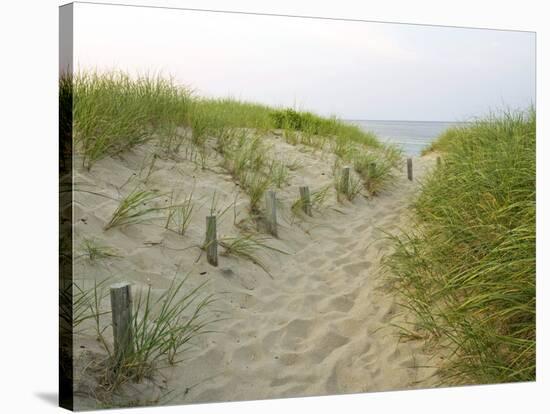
{"x":320,"y":325}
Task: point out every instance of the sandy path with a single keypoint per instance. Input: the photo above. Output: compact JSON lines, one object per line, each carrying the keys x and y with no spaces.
{"x":321,"y":326}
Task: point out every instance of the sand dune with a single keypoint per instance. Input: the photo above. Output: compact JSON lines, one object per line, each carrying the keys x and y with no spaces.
{"x":320,"y":324}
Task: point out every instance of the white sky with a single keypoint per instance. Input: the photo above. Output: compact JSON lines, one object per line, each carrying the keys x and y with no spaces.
{"x":355,"y":70}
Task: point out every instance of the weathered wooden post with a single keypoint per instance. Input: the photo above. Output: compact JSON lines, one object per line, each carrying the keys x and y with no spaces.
{"x":306,"y":201}
{"x":438,"y":161}
{"x":372,"y":169}
{"x":410,"y":169}
{"x":344,"y":183}
{"x":121,"y":309}
{"x":271,"y":210}
{"x":211,"y":242}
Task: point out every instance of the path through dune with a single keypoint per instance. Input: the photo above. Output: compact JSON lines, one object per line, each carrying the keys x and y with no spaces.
{"x":320,"y":324}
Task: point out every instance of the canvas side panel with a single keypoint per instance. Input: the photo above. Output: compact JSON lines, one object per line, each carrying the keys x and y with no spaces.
{"x":65,"y":207}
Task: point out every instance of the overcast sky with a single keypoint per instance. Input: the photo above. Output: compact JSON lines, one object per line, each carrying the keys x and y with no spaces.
{"x":355,"y":70}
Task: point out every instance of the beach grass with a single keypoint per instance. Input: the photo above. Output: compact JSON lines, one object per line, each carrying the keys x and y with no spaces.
{"x":278,"y":172}
{"x":94,"y":250}
{"x":313,"y":125}
{"x":136,"y":207}
{"x":248,"y":247}
{"x":179,"y":215}
{"x":467,"y":270}
{"x":164,"y":326}
{"x":114,"y":112}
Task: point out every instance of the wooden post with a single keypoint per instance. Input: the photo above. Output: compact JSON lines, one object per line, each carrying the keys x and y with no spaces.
{"x":121,"y":309}
{"x":211,"y":242}
{"x":372,"y":169}
{"x":271,"y":209}
{"x":306,"y":201}
{"x":410,"y":169}
{"x":344,"y":183}
{"x":438,"y":161}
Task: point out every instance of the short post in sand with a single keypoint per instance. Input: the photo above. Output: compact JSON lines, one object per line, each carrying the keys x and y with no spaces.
{"x":372,"y":169}
{"x":438,"y":161}
{"x":271,"y":212}
{"x":306,"y":201}
{"x":344,"y":181}
{"x":121,"y":309}
{"x":211,"y":241}
{"x":410,"y":169}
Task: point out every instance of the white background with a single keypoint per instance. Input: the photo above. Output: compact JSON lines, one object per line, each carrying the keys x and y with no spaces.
{"x":28,"y":216}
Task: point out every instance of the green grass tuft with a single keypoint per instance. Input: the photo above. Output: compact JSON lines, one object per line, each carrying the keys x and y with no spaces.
{"x":134,"y":208}
{"x":179,"y":215}
{"x":248,"y":247}
{"x":94,"y":250}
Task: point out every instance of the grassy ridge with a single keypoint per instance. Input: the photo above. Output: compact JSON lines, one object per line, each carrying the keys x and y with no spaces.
{"x":312,"y":124}
{"x":468,"y":269}
{"x":113,"y":112}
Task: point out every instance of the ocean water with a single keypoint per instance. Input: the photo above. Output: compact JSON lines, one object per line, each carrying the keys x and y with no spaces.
{"x":411,"y":136}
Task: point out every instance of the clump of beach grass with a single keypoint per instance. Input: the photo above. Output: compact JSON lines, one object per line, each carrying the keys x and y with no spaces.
{"x":86,"y":303}
{"x":134,"y":208}
{"x":179,"y":214}
{"x":248,"y":247}
{"x":467,"y":267}
{"x":291,"y":136}
{"x":246,"y":159}
{"x":255,"y":184}
{"x":344,"y":148}
{"x":315,"y":126}
{"x":377,"y":168}
{"x":164,"y":326}
{"x":94,"y":250}
{"x":278,"y":172}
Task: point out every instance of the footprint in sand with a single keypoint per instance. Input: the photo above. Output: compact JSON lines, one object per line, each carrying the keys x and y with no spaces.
{"x":342,"y":240}
{"x":340,"y":262}
{"x":339,"y":303}
{"x":289,"y":358}
{"x":324,"y":346}
{"x":246,"y":354}
{"x":289,"y":337}
{"x":273,"y":304}
{"x":357,"y":269}
{"x":317,"y":263}
{"x":361,"y":228}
